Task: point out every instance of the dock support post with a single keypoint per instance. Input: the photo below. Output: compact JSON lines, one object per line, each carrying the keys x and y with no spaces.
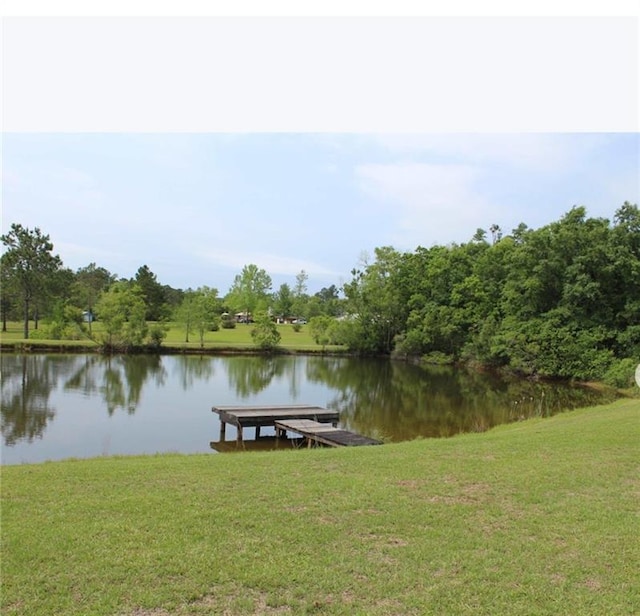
{"x":257,"y":432}
{"x":239,"y":437}
{"x":223,"y":429}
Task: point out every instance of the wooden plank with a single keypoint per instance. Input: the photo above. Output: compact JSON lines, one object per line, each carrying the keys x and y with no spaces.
{"x":266,"y":409}
{"x":244,"y":416}
{"x":347,"y":438}
{"x":308,"y":425}
{"x":326,"y":435}
{"x":292,"y":413}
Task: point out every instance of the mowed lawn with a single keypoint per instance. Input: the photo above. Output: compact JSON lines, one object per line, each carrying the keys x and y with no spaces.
{"x":538,"y":517}
{"x":237,"y":338}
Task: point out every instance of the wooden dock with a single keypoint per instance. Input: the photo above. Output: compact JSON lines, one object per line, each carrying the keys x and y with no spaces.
{"x":316,"y":432}
{"x":257,"y":416}
{"x":313,"y":423}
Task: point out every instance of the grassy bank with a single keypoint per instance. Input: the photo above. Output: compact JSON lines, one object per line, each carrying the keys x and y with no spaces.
{"x":538,"y":517}
{"x":238,"y":338}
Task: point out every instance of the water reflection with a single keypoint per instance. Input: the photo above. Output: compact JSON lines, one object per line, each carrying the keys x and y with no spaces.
{"x":251,"y":375}
{"x":262,"y":443}
{"x":117,"y":379}
{"x":26,"y":386}
{"x":69,"y":401}
{"x":397,"y":402}
{"x":193,"y":369}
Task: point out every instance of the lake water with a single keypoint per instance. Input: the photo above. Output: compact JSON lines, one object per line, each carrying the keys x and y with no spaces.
{"x":63,"y":406}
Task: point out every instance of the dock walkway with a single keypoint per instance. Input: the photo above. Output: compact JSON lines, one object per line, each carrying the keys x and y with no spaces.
{"x":314,"y":423}
{"x":257,"y":416}
{"x":316,"y":432}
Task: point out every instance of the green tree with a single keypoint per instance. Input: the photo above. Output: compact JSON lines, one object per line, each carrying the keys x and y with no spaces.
{"x":250,"y":290}
{"x":199,"y":312}
{"x":300,"y":297}
{"x":323,"y":328}
{"x":265,"y":332}
{"x":207,"y":311}
{"x":90,"y":282}
{"x":173,"y":297}
{"x":283,"y":301}
{"x":121,"y":309}
{"x":10,"y":293}
{"x":64,"y":322}
{"x":329,"y":301}
{"x":30,"y":264}
{"x":153,"y":293}
{"x":374,"y":301}
{"x":186,"y":313}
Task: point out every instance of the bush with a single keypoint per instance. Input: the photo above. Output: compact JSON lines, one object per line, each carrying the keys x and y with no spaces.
{"x":265,"y":334}
{"x":621,"y":373}
{"x":157,"y":333}
{"x":40,"y":334}
{"x":228,"y":322}
{"x":437,"y":358}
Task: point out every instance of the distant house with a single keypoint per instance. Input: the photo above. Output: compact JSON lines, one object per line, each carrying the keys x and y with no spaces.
{"x":244,"y":317}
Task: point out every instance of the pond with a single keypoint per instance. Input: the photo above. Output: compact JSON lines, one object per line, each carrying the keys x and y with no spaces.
{"x":63,"y":406}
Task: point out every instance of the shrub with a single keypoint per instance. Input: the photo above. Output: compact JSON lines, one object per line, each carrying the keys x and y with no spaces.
{"x":621,"y":373}
{"x":157,"y":333}
{"x":265,"y":333}
{"x":228,"y":322}
{"x":437,"y":358}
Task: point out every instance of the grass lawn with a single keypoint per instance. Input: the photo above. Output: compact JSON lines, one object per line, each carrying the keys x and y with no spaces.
{"x":538,"y":517}
{"x":238,"y":338}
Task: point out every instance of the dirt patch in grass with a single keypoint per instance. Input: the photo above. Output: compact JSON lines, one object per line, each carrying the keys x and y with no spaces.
{"x":225,"y":604}
{"x":412,"y":484}
{"x":593,"y":584}
{"x":467,"y":494}
{"x":470,"y":494}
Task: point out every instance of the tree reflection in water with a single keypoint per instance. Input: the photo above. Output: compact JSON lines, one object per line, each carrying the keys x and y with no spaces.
{"x":192,"y":369}
{"x":400,"y":401}
{"x":375,"y":397}
{"x":118,"y":379}
{"x":251,"y":375}
{"x":26,"y":385}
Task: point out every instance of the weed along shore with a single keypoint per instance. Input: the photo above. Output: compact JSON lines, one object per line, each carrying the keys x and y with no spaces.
{"x":536,"y":517}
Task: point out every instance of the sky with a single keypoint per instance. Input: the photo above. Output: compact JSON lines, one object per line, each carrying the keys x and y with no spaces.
{"x":305,"y":143}
{"x":196,"y":208}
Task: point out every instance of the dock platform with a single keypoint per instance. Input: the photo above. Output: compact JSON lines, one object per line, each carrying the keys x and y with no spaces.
{"x":316,"y":432}
{"x":257,"y":416}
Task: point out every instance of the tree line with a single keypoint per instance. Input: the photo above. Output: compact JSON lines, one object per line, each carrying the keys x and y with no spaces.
{"x":136,"y":311}
{"x":562,"y":300}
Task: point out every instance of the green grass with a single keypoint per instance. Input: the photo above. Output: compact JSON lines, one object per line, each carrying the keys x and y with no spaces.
{"x":238,"y":338}
{"x":538,"y":517}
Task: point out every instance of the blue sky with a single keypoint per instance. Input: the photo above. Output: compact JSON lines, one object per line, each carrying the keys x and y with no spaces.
{"x":196,"y":208}
{"x":197,"y":145}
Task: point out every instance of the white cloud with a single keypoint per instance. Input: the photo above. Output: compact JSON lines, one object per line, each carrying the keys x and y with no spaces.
{"x":541,"y":152}
{"x":271,"y":263}
{"x":427,"y":198}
